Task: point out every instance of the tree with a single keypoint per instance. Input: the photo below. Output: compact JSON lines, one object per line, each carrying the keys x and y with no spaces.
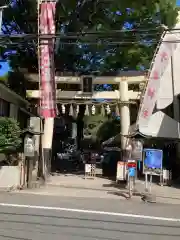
{"x":99,"y":19}
{"x":10,"y":140}
{"x":95,"y":37}
{"x":10,"y":134}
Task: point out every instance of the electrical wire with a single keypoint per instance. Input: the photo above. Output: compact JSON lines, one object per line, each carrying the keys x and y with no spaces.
{"x":98,"y":42}
{"x":99,"y":38}
{"x":78,"y":34}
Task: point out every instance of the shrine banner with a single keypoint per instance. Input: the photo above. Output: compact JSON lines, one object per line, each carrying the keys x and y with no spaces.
{"x":47,"y":69}
{"x":161,"y":62}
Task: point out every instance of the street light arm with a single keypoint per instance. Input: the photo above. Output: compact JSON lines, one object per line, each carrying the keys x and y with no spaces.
{"x":1,"y":13}
{"x":3,"y":7}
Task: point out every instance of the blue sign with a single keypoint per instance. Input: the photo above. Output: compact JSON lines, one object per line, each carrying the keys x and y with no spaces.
{"x":153,"y":160}
{"x":132,"y":172}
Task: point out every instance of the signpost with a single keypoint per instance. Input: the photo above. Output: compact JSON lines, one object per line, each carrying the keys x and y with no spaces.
{"x":131,"y":165}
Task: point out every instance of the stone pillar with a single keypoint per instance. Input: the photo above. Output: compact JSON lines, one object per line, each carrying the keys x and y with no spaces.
{"x":35,"y":123}
{"x":47,"y":138}
{"x":74,"y":132}
{"x":13,"y":112}
{"x":124,"y":112}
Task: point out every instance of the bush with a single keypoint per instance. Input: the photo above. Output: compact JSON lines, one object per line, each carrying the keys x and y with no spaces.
{"x":10,"y":134}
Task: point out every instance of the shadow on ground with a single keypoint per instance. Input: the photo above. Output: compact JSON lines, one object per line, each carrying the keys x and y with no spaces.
{"x":122,"y":189}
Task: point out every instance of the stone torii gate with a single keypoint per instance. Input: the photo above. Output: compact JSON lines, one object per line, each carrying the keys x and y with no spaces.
{"x":123,"y":97}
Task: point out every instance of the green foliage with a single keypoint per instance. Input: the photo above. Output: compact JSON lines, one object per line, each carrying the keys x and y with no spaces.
{"x":108,"y":129}
{"x":4,"y":79}
{"x":101,"y":128}
{"x":92,"y":124}
{"x":9,"y":133}
{"x":93,"y":16}
{"x":91,"y":52}
{"x":16,"y":81}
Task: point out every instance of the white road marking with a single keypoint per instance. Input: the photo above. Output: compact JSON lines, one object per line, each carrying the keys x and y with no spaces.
{"x":86,"y":211}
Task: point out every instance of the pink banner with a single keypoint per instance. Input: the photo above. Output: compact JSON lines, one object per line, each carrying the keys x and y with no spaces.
{"x":47,"y":69}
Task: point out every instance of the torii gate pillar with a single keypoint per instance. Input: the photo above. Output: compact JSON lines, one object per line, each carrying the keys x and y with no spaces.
{"x":124,"y":112}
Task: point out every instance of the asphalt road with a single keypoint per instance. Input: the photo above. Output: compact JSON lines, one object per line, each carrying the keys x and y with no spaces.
{"x":26,"y":217}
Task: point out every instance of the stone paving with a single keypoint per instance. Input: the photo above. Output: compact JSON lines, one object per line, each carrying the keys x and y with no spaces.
{"x":77,"y":185}
{"x":79,"y":181}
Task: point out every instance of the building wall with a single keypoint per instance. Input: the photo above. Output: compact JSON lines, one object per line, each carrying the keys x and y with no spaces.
{"x":13,"y":111}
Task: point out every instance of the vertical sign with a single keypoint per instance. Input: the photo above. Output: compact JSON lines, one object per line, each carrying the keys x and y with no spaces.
{"x":47,"y":69}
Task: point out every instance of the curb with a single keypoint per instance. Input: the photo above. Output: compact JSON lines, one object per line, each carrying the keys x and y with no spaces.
{"x":77,"y":187}
{"x":118,"y":190}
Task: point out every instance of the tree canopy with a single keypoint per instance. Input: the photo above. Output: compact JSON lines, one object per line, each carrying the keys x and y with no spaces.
{"x":94,"y":36}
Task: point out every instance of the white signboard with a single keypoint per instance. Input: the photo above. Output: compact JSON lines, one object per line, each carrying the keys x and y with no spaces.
{"x":121,"y":171}
{"x":29,"y":147}
{"x":87,"y":168}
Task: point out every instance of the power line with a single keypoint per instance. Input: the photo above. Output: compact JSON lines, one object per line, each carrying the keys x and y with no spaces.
{"x":63,"y":36}
{"x":44,"y":40}
{"x":92,"y":43}
{"x":77,"y":40}
{"x":132,"y":31}
{"x":19,"y":46}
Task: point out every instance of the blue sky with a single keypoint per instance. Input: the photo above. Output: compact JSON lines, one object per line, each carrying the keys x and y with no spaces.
{"x":4,"y":66}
